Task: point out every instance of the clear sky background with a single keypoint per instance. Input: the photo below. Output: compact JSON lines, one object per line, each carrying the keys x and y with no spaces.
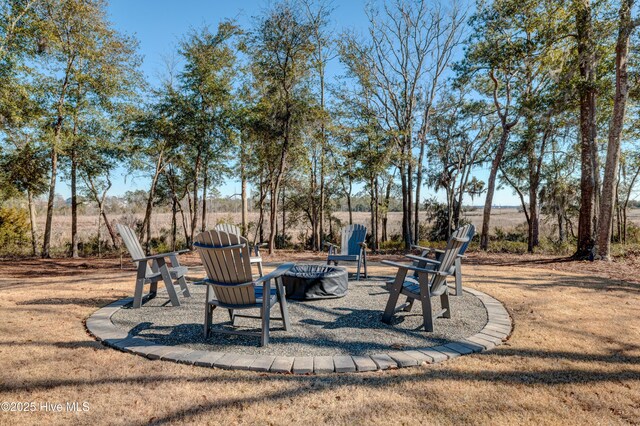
{"x":160,"y":24}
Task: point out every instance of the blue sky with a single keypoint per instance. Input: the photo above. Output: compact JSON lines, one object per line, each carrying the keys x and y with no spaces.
{"x":160,"y":24}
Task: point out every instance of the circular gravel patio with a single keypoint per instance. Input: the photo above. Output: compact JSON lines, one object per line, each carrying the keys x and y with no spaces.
{"x":331,"y":335}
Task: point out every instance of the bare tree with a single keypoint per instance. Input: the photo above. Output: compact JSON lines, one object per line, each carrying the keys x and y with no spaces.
{"x":607,"y":200}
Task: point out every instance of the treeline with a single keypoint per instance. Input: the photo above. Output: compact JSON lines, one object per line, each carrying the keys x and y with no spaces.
{"x":430,"y":93}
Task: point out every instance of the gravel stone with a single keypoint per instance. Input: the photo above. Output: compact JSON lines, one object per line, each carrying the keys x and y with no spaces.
{"x":346,"y":326}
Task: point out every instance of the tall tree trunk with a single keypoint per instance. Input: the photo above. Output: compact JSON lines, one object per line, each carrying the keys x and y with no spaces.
{"x":409,"y":213}
{"x":32,"y":220}
{"x":74,"y":201}
{"x":146,"y":222}
{"x":275,"y":185}
{"x":406,"y":228}
{"x":533,"y":238}
{"x":491,"y":185}
{"x":322,"y":199}
{"x":263,"y":195}
{"x":52,"y":194}
{"x":615,"y":130}
{"x":385,"y":215}
{"x":586,"y":56}
{"x":349,"y":207}
{"x":194,"y":210}
{"x":243,"y":195}
{"x":46,"y":243}
{"x":174,"y":223}
{"x":205,"y":185}
{"x":284,"y":217}
{"x":503,"y":114}
{"x":376,"y":206}
{"x":561,"y":232}
{"x":374,"y":218}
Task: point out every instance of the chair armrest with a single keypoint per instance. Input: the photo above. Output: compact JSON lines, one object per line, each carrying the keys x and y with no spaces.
{"x":363,"y":245}
{"x":183,"y":251}
{"x":422,"y":259}
{"x":413,"y":268}
{"x":332,"y":248}
{"x":156,"y":256}
{"x":460,"y":240}
{"x":281,"y":270}
{"x":416,"y":247}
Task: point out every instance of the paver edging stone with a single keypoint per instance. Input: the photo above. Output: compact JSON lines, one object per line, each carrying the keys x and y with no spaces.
{"x":498,"y":328}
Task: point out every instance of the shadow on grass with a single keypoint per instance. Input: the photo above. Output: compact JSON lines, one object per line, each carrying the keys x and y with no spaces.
{"x":304,"y":386}
{"x":89,"y":302}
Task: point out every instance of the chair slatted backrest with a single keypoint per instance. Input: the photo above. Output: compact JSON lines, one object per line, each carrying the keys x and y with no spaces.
{"x":454,"y":245}
{"x":471,"y":231}
{"x":132,"y":243}
{"x":229,"y":228}
{"x":352,"y":237}
{"x":225,"y":257}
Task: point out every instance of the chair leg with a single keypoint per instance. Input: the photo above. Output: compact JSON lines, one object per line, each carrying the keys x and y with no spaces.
{"x":358,"y":270}
{"x":260,"y":269}
{"x":153,"y":290}
{"x":232,"y":317}
{"x":458,"y":277}
{"x":166,"y":277}
{"x":394,"y":294}
{"x":444,"y":302}
{"x":208,"y":310}
{"x":183,"y":285}
{"x":284,"y":309}
{"x":137,"y":296}
{"x":264,"y":338}
{"x":427,"y":313}
{"x":364,"y":259}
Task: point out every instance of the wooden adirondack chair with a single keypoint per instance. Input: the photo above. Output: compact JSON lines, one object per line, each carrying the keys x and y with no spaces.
{"x":225,"y":257}
{"x":158,"y":270}
{"x":233,"y":229}
{"x":352,"y":249}
{"x":426,"y":251}
{"x":429,"y":283}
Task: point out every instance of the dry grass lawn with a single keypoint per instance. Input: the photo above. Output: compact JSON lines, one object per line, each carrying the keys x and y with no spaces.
{"x":573,"y":358}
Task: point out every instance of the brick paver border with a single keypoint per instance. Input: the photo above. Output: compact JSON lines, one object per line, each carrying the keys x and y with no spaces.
{"x":497,"y":330}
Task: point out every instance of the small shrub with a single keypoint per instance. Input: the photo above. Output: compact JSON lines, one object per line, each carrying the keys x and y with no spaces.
{"x":550,"y":246}
{"x":392,"y":245}
{"x":518,"y":234}
{"x":283,"y":241}
{"x":14,"y":227}
{"x":633,"y":233}
{"x":438,"y":216}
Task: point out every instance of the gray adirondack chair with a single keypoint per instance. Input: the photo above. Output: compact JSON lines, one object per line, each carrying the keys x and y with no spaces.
{"x":426,"y":251}
{"x":225,"y":257}
{"x":256,"y":259}
{"x":158,"y":270}
{"x":429,"y":283}
{"x":352,"y":248}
